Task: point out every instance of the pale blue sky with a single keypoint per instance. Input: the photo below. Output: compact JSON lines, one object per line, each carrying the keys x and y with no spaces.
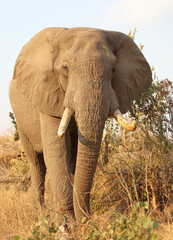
{"x":21,"y":19}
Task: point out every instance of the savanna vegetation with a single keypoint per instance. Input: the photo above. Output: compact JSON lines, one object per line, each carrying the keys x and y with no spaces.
{"x":132,"y":193}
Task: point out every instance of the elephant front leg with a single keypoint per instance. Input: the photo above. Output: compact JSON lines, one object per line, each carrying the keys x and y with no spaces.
{"x":37,"y":166}
{"x":56,"y":156}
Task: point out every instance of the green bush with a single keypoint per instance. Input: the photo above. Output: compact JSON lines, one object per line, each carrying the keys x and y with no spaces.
{"x":137,"y":225}
{"x":154,"y":109}
{"x":43,"y":230}
{"x":21,"y":164}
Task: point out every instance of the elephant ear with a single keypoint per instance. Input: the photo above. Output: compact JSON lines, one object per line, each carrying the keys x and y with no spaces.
{"x":34,"y":73}
{"x":133,"y":75}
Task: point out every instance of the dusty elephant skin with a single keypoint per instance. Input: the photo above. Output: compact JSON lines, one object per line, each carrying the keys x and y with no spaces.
{"x":92,"y":74}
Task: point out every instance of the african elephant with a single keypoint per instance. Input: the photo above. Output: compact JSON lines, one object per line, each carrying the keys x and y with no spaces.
{"x":71,"y":81}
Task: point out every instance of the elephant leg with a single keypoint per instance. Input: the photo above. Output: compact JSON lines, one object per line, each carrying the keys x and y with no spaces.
{"x":57,"y":154}
{"x":37,"y":167}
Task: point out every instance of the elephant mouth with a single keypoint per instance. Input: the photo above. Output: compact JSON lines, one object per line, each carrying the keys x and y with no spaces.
{"x":128,"y":125}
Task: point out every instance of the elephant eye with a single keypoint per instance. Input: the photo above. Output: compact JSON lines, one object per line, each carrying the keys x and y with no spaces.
{"x":114,"y":69}
{"x":65,"y":69}
{"x":65,"y":66}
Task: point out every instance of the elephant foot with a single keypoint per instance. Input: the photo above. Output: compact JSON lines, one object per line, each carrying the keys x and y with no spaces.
{"x":67,"y":214}
{"x":67,"y":226}
{"x":69,"y":218}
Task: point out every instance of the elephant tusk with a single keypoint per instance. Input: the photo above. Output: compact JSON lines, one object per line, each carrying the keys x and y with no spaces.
{"x":64,"y":122}
{"x":130,"y":126}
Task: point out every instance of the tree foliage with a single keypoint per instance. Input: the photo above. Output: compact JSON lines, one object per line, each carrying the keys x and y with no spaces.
{"x":154,"y":109}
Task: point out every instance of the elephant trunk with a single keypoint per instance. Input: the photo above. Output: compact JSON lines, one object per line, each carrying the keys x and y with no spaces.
{"x":85,"y":169}
{"x":91,"y":113}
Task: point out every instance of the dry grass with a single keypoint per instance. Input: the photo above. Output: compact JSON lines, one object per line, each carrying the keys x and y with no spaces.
{"x":112,"y":191}
{"x":8,"y":150}
{"x":19,"y":210}
{"x":137,"y":170}
{"x":166,"y":231}
{"x":17,"y":213}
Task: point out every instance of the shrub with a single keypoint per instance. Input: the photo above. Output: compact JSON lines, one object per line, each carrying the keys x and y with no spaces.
{"x":21,"y":164}
{"x":141,"y":162}
{"x":154,"y":109}
{"x":137,"y":225}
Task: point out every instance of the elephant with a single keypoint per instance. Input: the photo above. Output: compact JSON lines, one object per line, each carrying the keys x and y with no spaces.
{"x":66,"y":83}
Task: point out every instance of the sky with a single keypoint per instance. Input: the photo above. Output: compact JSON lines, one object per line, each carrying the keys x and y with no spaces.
{"x":20,"y":20}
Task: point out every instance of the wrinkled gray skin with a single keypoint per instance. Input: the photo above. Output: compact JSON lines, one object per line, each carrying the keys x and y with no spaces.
{"x":91,"y":72}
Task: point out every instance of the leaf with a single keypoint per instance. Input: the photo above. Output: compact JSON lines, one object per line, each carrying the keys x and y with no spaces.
{"x":17,"y":237}
{"x":84,"y":220}
{"x":104,"y":234}
{"x":145,"y":205}
{"x":66,"y":219}
{"x":146,"y":222}
{"x":155,"y":225}
{"x":63,"y":238}
{"x":151,"y":237}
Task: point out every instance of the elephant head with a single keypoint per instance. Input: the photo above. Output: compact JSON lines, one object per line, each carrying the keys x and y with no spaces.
{"x":92,"y":74}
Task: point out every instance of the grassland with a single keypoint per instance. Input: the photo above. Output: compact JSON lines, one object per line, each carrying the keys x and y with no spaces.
{"x":132,"y":191}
